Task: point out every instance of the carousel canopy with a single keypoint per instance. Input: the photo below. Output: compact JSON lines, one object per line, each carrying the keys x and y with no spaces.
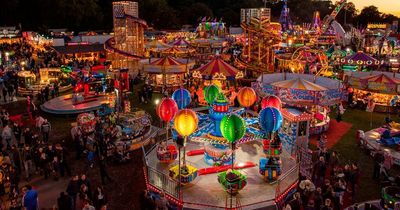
{"x":217,"y":69}
{"x":168,"y":64}
{"x":360,"y":58}
{"x":181,"y":43}
{"x":156,"y":45}
{"x":176,"y":51}
{"x":299,"y":84}
{"x":381,"y":78}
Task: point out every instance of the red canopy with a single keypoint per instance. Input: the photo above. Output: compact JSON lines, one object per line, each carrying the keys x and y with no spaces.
{"x":217,"y":69}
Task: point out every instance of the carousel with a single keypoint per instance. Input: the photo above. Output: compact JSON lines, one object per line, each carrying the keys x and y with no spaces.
{"x":154,"y":47}
{"x":166,"y":71}
{"x":125,"y":131}
{"x":48,"y":76}
{"x":177,"y":52}
{"x":219,"y":73}
{"x":361,"y":61}
{"x":212,"y":149}
{"x":303,"y":93}
{"x":382,"y":88}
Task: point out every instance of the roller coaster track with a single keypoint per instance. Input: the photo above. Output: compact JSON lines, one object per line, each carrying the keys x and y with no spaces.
{"x":109,"y":44}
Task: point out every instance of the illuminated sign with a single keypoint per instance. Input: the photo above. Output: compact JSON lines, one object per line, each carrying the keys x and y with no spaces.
{"x":377,"y":26}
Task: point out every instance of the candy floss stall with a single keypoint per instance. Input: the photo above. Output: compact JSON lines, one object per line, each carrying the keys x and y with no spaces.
{"x":382,"y":87}
{"x":303,"y":93}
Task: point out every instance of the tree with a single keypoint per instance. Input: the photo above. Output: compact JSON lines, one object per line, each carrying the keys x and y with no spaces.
{"x":195,"y":12}
{"x":389,"y":18}
{"x":348,"y":14}
{"x":369,"y":14}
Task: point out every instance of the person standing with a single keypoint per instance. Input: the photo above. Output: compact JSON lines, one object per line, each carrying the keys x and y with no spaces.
{"x":17,"y":132}
{"x":73,"y":189}
{"x":4,"y":93}
{"x":7,"y":135}
{"x":99,"y":198}
{"x":30,"y":198}
{"x":46,"y":128}
{"x":27,"y":161}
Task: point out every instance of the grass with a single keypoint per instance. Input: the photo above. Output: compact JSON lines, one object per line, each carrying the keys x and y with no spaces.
{"x":350,"y":152}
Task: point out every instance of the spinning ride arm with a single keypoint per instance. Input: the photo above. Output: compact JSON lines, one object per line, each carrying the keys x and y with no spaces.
{"x":330,"y":18}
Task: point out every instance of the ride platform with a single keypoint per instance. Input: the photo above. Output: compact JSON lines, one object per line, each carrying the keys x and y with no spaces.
{"x":64,"y":105}
{"x":206,"y":193}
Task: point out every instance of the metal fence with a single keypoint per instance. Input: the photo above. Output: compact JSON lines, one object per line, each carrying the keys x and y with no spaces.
{"x":163,"y":182}
{"x":287,"y":180}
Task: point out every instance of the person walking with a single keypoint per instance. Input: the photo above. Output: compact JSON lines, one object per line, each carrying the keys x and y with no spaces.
{"x":27,"y":161}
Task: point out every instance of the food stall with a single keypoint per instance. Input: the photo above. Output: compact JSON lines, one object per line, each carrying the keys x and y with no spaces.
{"x":382,"y":87}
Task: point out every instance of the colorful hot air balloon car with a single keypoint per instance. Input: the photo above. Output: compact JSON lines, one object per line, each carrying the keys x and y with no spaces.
{"x":232,"y":181}
{"x":167,"y":153}
{"x":270,"y":168}
{"x":188,"y":173}
{"x":272,"y":148}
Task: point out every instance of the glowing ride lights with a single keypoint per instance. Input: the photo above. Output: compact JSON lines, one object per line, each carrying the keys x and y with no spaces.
{"x":182,"y":97}
{"x":270,"y":119}
{"x":185,"y":123}
{"x":166,"y":110}
{"x":233,"y":129}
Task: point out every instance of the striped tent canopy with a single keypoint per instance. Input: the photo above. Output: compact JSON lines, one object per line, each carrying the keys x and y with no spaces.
{"x":381,"y":83}
{"x":166,"y":61}
{"x":381,"y":78}
{"x":298,"y":84}
{"x":181,"y":43}
{"x":156,"y":45}
{"x":175,"y":51}
{"x":167,"y":65}
{"x":217,"y":69}
{"x":360,"y":58}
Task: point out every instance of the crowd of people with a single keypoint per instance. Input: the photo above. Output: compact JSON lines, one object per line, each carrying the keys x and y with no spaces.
{"x":332,"y":184}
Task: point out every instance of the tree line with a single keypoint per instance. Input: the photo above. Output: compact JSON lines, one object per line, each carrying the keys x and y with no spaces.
{"x":82,"y":15}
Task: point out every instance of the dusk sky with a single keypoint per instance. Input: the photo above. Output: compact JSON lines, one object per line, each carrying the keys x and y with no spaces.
{"x":386,"y":6}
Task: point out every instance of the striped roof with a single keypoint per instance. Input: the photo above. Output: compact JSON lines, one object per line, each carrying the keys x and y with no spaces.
{"x":381,"y":78}
{"x":181,"y":43}
{"x":166,"y":61}
{"x":217,"y":69}
{"x":298,"y":84}
{"x":173,"y":50}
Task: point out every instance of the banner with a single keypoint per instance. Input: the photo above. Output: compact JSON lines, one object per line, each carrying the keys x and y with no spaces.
{"x":382,"y":87}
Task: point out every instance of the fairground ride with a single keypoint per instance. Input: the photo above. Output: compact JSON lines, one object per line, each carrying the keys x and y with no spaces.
{"x":126,"y":48}
{"x":258,"y":54}
{"x":305,"y":57}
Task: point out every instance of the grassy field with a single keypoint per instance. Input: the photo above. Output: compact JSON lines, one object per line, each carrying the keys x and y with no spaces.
{"x":350,"y":152}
